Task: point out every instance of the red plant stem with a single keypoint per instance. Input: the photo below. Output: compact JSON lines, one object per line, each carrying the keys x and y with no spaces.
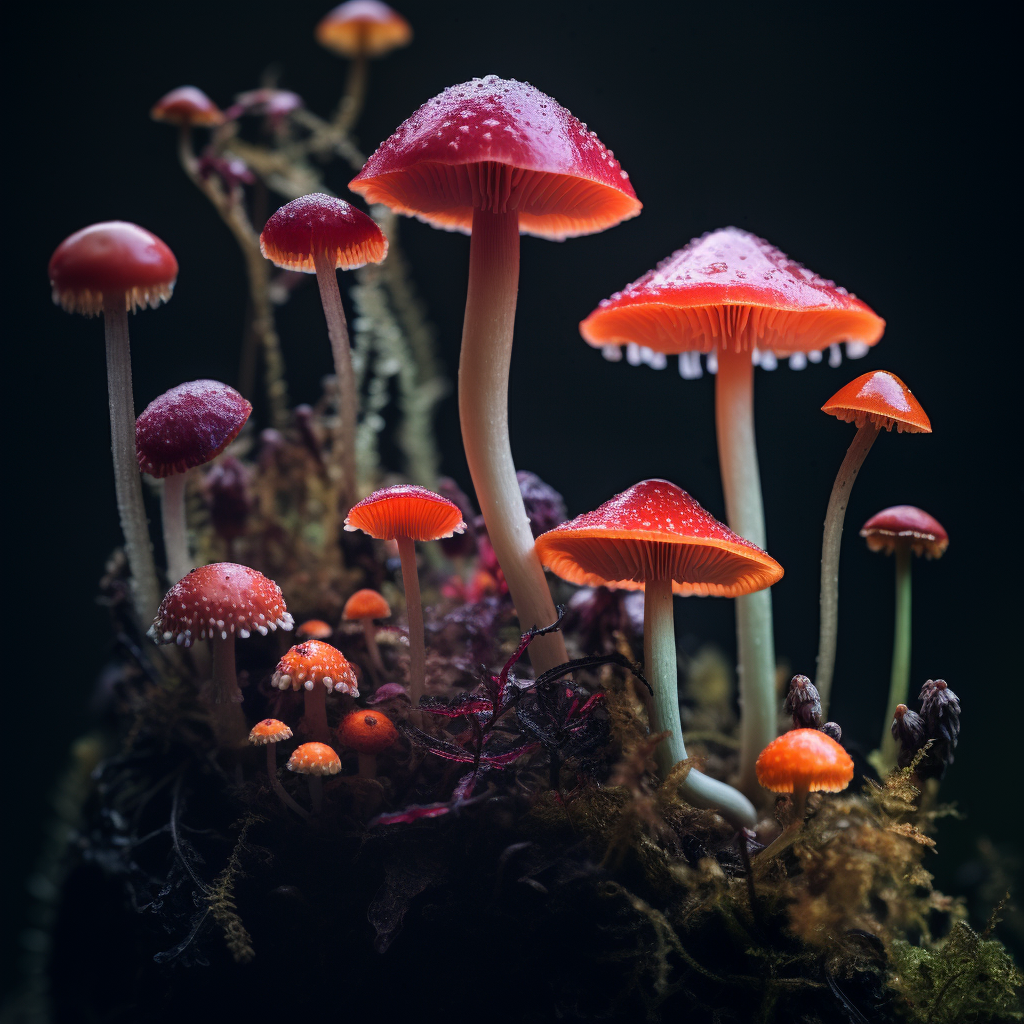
{"x":414,"y":612}
{"x":316,"y":713}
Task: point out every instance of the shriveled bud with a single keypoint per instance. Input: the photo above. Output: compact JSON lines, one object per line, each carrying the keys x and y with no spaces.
{"x":832,"y":729}
{"x":545,"y":507}
{"x":908,"y":730}
{"x":803,"y":703}
{"x":940,"y":709}
{"x":227,"y":495}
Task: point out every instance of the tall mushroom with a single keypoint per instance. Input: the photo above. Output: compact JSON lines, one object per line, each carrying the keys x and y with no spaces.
{"x":318,"y":234}
{"x":735,"y":297}
{"x":185,"y":427}
{"x":405,"y":514}
{"x":656,"y":538}
{"x":315,"y":668}
{"x":115,"y":268}
{"x":902,"y":530}
{"x":875,"y":401}
{"x":187,"y":107}
{"x":498,"y":158}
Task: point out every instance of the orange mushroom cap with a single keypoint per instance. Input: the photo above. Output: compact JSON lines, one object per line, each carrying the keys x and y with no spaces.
{"x":651,"y":530}
{"x":367,"y":732}
{"x":315,"y":629}
{"x":882,"y":398}
{"x":314,"y":759}
{"x":804,"y":759}
{"x":270,"y":730}
{"x":318,"y":223}
{"x":405,"y":510}
{"x":905,"y":524}
{"x":312,"y":662}
{"x":363,"y":26}
{"x":366,"y":604}
{"x":731,"y":287}
{"x":187,"y":105}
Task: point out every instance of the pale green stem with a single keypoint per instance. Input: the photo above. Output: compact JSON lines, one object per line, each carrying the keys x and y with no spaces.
{"x":483,"y":412}
{"x":172,"y":510}
{"x":899,"y":680}
{"x":830,"y":549}
{"x":660,"y":663}
{"x":414,"y":613}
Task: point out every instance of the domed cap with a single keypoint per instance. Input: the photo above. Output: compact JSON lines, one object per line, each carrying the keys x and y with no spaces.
{"x":313,"y":662}
{"x":113,"y":258}
{"x":655,"y":529}
{"x":499,"y":145}
{"x":314,"y":759}
{"x":219,"y":600}
{"x":405,"y":510}
{"x":188,"y":426}
{"x":366,"y":604}
{"x":321,"y":224}
{"x":187,"y":105}
{"x":804,"y":759}
{"x":731,"y":287}
{"x":367,"y":732}
{"x":363,"y":26}
{"x":314,"y":629}
{"x":905,"y":524}
{"x":270,"y":730}
{"x":882,"y":398}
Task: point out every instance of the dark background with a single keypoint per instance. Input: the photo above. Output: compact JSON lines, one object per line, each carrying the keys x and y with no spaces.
{"x":870,"y":146}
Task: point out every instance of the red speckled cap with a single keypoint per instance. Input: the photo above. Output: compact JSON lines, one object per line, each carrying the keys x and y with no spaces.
{"x":363,"y":26}
{"x":731,"y":286}
{"x":804,"y":759}
{"x":405,"y":510}
{"x":112,"y":258}
{"x":884,"y":399}
{"x":270,"y":730}
{"x":314,"y":759}
{"x":367,"y":732}
{"x":652,"y":530}
{"x":313,"y":662}
{"x":499,"y":145}
{"x":219,"y":600}
{"x":905,"y":524}
{"x":187,"y":105}
{"x":188,"y":426}
{"x":319,"y":223}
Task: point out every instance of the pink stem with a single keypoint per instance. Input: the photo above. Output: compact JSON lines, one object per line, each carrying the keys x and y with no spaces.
{"x":316,"y":713}
{"x":414,"y":612}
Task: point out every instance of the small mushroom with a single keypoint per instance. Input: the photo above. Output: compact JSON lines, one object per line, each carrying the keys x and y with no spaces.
{"x":315,"y":668}
{"x":314,"y":760}
{"x":368,"y":733}
{"x":804,"y":761}
{"x":314,"y":629}
{"x":364,"y":606}
{"x":269,"y":733}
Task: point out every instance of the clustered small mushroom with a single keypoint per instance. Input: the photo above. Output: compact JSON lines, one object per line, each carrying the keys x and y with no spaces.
{"x":269,"y":733}
{"x":315,"y":760}
{"x":368,"y":733}
{"x":364,"y":606}
{"x":317,"y":669}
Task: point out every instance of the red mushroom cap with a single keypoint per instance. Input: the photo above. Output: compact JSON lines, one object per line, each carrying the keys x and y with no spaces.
{"x":651,"y":530}
{"x":731,"y":287}
{"x":321,"y":224}
{"x":222,"y":599}
{"x":312,"y":662}
{"x":804,"y":759}
{"x":363,"y":26}
{"x":112,"y":258}
{"x":187,"y":105}
{"x":315,"y":629}
{"x":314,"y":759}
{"x":366,"y":604}
{"x":884,"y":399}
{"x":188,"y":426}
{"x":270,"y":730}
{"x":499,"y":145}
{"x":905,"y":524}
{"x":405,"y":510}
{"x":367,"y":732}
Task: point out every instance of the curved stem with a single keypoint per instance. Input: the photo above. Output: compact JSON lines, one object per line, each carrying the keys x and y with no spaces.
{"x":351,"y":104}
{"x":316,"y":714}
{"x":414,"y":613}
{"x":483,"y":412}
{"x":660,"y":663}
{"x":899,"y":679}
{"x":830,"y":548}
{"x":275,"y":782}
{"x":127,"y":479}
{"x":348,"y":401}
{"x":744,"y":509}
{"x":226,"y":703}
{"x":172,"y":510}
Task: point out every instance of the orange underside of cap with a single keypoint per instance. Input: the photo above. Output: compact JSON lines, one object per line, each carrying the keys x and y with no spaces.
{"x":405,"y":511}
{"x":351,"y":36}
{"x":881,"y":398}
{"x":344,"y":257}
{"x":804,"y":759}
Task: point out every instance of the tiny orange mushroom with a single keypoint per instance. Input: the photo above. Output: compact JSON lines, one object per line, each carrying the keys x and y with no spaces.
{"x":367,"y":732}
{"x":804,"y":761}
{"x":315,"y":760}
{"x":315,"y":667}
{"x":363,"y":28}
{"x":314,"y":629}
{"x":269,"y":733}
{"x":364,"y":606}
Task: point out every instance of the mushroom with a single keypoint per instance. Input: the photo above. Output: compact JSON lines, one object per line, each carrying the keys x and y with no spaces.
{"x":314,"y":760}
{"x":318,"y":234}
{"x":496,"y":158}
{"x":737,"y":298}
{"x":269,"y":733}
{"x":656,"y":538}
{"x":902,"y":530}
{"x":315,"y":668}
{"x":113,"y":268}
{"x":188,"y":108}
{"x":314,"y":629}
{"x":367,"y":733}
{"x":364,"y":606}
{"x":217,"y":603}
{"x":804,"y":761}
{"x":405,"y":514}
{"x":875,"y":401}
{"x":185,"y":427}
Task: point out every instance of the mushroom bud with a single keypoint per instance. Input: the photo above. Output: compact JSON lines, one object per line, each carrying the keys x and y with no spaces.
{"x":803,"y":703}
{"x":367,"y":732}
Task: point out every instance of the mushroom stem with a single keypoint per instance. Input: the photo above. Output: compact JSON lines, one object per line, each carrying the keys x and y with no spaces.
{"x":351,"y":104}
{"x":800,"y":801}
{"x":741,"y":482}
{"x":226,"y":704}
{"x":660,"y":662}
{"x":414,"y":613}
{"x":275,"y":783}
{"x":348,"y":402}
{"x":316,"y":713}
{"x":372,"y":648}
{"x":483,"y":412}
{"x":316,"y":792}
{"x":127,"y":479}
{"x":172,"y":511}
{"x":899,"y":679}
{"x":830,"y":550}
{"x":368,"y":766}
